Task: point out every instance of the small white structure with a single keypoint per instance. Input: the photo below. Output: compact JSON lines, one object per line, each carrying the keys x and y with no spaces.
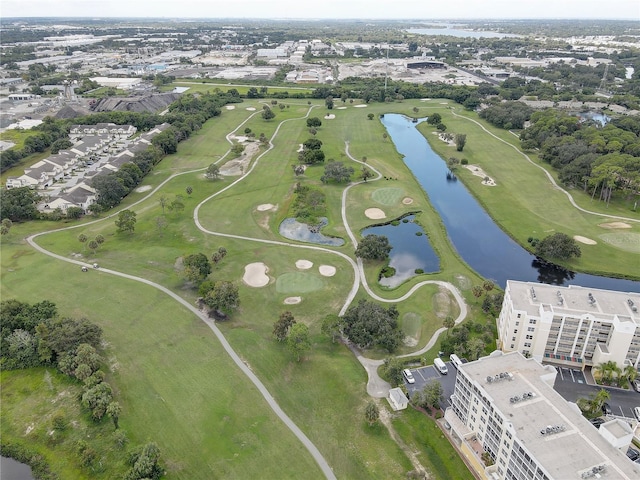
{"x":397,"y":399}
{"x":618,"y":433}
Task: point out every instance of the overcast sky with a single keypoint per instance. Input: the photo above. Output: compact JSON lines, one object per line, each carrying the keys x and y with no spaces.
{"x":375,"y":9}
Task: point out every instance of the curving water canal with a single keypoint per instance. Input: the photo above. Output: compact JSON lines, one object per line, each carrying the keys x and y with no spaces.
{"x":473,"y":233}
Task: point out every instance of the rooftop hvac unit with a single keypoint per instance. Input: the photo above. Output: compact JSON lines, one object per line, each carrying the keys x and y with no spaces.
{"x":489,"y":379}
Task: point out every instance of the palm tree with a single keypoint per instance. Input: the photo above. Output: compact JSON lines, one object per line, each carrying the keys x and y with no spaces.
{"x":630,"y":373}
{"x":599,"y":399}
{"x":448,"y":323}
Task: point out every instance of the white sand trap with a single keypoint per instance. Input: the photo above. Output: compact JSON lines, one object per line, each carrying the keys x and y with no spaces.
{"x":251,"y":109}
{"x":374,"y":213}
{"x":230,"y":107}
{"x":361,"y":106}
{"x":304,"y":264}
{"x":341,"y":108}
{"x":144,"y":188}
{"x":478,"y":172}
{"x":407,"y":200}
{"x":292,"y":300}
{"x":444,"y":103}
{"x":615,"y":225}
{"x":300,"y":148}
{"x":442,"y":137}
{"x":585,"y":240}
{"x":239,"y":138}
{"x":425,"y":99}
{"x":264,"y":207}
{"x":255,"y":274}
{"x":327,"y":270}
{"x":329,"y":117}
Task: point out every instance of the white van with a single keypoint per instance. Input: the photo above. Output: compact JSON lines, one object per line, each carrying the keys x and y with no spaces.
{"x":440,"y":365}
{"x":408,"y":376}
{"x":455,"y":360}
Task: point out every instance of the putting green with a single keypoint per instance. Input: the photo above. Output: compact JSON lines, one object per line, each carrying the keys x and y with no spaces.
{"x":298,"y":282}
{"x":629,"y":242}
{"x":387,"y":196}
{"x":412,"y":325}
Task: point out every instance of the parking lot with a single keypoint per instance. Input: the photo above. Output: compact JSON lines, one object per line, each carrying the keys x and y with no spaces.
{"x":570,"y":374}
{"x":425,"y":375}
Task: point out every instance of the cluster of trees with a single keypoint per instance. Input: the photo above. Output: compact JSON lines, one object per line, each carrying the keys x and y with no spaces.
{"x":220,"y":296}
{"x":459,"y":340}
{"x":556,"y":246}
{"x":19,"y":204}
{"x":368,"y":325}
{"x":604,"y":159}
{"x":609,"y":373}
{"x":295,"y":335}
{"x":92,"y":244}
{"x":373,"y":247}
{"x":309,"y":204}
{"x":336,"y":172}
{"x":429,"y":397}
{"x":311,"y":153}
{"x":507,"y":115}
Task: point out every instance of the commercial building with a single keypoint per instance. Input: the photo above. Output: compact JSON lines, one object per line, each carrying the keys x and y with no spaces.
{"x":574,"y":326}
{"x":510,"y":423}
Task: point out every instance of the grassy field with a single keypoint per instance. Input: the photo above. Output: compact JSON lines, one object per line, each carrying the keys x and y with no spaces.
{"x":526,"y":204}
{"x":177,"y":386}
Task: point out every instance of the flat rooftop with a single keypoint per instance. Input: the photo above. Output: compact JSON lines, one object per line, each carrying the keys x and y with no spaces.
{"x":574,"y":300}
{"x":570,"y":445}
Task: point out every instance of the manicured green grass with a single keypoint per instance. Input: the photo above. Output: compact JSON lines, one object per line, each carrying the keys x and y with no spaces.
{"x":525,"y":203}
{"x":387,"y":196}
{"x":299,"y":282}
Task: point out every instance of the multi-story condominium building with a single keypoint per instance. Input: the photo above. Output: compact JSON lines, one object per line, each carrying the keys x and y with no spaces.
{"x":505,"y":411}
{"x":575,"y":326}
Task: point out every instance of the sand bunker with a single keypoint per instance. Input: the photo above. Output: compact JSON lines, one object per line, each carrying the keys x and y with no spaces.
{"x":327,"y":270}
{"x":255,"y":274}
{"x":374,"y":213}
{"x":230,"y":107}
{"x":251,"y":109}
{"x":329,"y":117}
{"x":341,"y":108}
{"x":264,"y":207}
{"x":585,"y":240}
{"x":407,"y":200}
{"x":304,"y":264}
{"x":615,"y":225}
{"x":292,"y":300}
{"x":361,"y":106}
{"x":300,"y":148}
{"x":478,"y":172}
{"x":443,"y":137}
{"x":144,"y":188}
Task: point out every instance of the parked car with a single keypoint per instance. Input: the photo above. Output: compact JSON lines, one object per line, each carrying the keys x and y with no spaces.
{"x":596,"y":422}
{"x":636,"y":413}
{"x":606,"y":409}
{"x":633,"y":454}
{"x":636,"y":385}
{"x":406,"y":373}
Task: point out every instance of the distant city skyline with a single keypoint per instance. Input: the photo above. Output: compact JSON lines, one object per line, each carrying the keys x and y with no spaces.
{"x":330,"y":9}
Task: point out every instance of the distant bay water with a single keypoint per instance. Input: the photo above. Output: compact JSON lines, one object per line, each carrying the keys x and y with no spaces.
{"x":458,"y":32}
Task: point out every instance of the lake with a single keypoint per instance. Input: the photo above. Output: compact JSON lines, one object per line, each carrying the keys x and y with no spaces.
{"x":11,"y":469}
{"x":473,"y":233}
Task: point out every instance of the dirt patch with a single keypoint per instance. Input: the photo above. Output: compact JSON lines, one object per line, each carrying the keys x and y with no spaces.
{"x":585,"y":240}
{"x":463,"y":282}
{"x":329,"y":117}
{"x":478,"y":172}
{"x":615,"y":225}
{"x":327,"y":270}
{"x":410,"y":341}
{"x":304,"y":264}
{"x":255,"y":275}
{"x":144,"y":188}
{"x":374,"y":213}
{"x":265,"y":206}
{"x":442,"y":304}
{"x":238,"y":166}
{"x":407,"y":200}
{"x":292,"y":300}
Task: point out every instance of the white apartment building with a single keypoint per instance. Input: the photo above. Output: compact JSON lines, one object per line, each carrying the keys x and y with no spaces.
{"x":505,"y":405}
{"x":575,"y":326}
